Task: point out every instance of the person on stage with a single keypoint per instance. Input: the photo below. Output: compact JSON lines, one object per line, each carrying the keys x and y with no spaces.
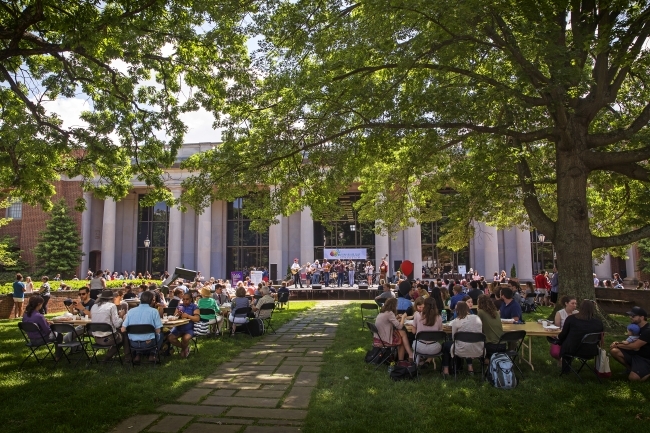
{"x":369,"y":269}
{"x":326,"y":272}
{"x":315,"y":279}
{"x":383,"y":270}
{"x":295,"y":271}
{"x":351,"y":268}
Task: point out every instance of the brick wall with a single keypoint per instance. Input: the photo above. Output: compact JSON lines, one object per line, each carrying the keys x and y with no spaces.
{"x":54,"y":306}
{"x":27,"y":229}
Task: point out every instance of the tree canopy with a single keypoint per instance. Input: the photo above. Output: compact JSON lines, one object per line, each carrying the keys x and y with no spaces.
{"x":139,"y":64}
{"x":533,"y":112}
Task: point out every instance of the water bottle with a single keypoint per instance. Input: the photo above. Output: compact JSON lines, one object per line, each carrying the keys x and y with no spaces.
{"x":444,"y":316}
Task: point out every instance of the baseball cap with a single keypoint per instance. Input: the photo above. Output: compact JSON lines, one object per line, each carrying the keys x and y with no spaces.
{"x":637,"y":311}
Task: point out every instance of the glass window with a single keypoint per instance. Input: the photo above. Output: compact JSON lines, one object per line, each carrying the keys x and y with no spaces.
{"x":246,"y":248}
{"x":15,"y":210}
{"x":153,"y":224}
{"x":439,"y":261}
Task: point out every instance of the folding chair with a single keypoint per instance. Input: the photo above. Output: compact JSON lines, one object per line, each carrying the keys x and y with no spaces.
{"x":426,"y":338}
{"x":384,"y":346}
{"x":283,"y":298}
{"x":469,"y":337}
{"x":76,"y":343}
{"x":170,"y":311}
{"x":516,"y":337}
{"x":267,"y":320}
{"x":143,"y":329}
{"x":91,"y":328}
{"x":240,"y":312}
{"x":26,"y":327}
{"x":590,"y":342}
{"x":369,"y":316}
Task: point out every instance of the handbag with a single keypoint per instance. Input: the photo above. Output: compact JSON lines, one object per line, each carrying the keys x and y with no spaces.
{"x":602,"y":364}
{"x":201,"y":328}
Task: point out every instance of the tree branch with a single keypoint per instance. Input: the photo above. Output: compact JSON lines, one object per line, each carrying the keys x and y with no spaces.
{"x":622,"y":239}
{"x":602,"y":160}
{"x":604,"y":139}
{"x":632,"y":171}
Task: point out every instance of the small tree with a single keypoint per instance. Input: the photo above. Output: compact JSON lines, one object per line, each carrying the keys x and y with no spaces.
{"x":59,"y":247}
{"x":513,"y":271}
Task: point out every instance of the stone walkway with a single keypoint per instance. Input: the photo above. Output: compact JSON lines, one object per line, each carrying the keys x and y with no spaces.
{"x":265,"y":389}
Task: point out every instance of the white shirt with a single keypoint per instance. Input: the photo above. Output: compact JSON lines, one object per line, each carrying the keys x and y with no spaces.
{"x":596,"y":282}
{"x":105,"y":313}
{"x":295,"y":266}
{"x":369,"y":269}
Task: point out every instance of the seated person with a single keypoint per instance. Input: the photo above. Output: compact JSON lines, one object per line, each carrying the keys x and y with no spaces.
{"x":32,"y":315}
{"x":219,"y":295}
{"x":465,"y":322}
{"x":458,"y":296}
{"x":635,"y":355}
{"x":491,"y":326}
{"x":391,"y":330}
{"x":181,"y":335}
{"x":470,"y":304}
{"x":474,"y":292}
{"x":240,"y":301}
{"x":570,"y":304}
{"x":575,"y":328}
{"x":265,"y":299}
{"x":176,"y":299}
{"x":283,"y":288}
{"x":427,"y":319}
{"x":128,"y":294}
{"x":144,"y":314}
{"x":84,"y":304}
{"x":386,"y":294}
{"x":404,"y":305}
{"x":206,"y":301}
{"x":509,"y":308}
{"x":122,"y":306}
{"x":105,"y":311}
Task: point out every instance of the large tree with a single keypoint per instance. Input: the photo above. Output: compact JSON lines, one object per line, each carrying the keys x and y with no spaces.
{"x":138,"y":65}
{"x":533,"y":112}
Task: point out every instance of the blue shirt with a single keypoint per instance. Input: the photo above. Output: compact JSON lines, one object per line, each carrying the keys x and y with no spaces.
{"x":189,"y":309}
{"x":403,"y":304}
{"x":513,"y":309}
{"x":19,"y":289}
{"x":455,"y":299}
{"x":143,"y":314}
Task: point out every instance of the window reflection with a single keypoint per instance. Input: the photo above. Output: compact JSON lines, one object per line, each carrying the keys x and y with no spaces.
{"x":153,"y":223}
{"x":246,"y":248}
{"x":439,"y":261}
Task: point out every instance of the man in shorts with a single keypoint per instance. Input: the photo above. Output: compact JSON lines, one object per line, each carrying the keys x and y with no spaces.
{"x":635,"y":356}
{"x":541,"y":286}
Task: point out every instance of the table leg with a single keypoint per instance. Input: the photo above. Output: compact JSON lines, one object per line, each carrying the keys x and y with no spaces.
{"x":528,"y":346}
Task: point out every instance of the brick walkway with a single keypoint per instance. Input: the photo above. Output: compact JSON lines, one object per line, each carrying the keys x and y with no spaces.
{"x":265,"y":389}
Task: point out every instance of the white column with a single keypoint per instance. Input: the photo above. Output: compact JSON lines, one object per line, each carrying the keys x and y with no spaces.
{"x":486,"y":241}
{"x":204,"y":246}
{"x":218,"y":244}
{"x":306,"y":236}
{"x":174,"y":237}
{"x":413,"y":248}
{"x":630,"y":265}
{"x":85,"y":235}
{"x":604,"y":270}
{"x":276,"y":241}
{"x":108,"y":234}
{"x":524,"y":257}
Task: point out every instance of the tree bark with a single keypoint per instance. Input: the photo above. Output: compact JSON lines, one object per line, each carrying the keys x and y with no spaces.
{"x":572,"y":233}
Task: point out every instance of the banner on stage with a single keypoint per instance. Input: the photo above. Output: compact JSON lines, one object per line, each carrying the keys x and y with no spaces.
{"x":236,"y":277}
{"x":256,"y":277}
{"x":346,"y":254}
{"x":462,"y":269}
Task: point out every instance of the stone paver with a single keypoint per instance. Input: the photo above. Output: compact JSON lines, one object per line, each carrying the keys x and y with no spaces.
{"x":264,"y":389}
{"x":134,"y":424}
{"x":171,"y":423}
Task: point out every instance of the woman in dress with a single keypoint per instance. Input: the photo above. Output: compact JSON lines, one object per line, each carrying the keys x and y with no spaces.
{"x":369,"y":269}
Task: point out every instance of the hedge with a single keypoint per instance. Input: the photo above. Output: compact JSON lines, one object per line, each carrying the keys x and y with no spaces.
{"x":76,"y":284}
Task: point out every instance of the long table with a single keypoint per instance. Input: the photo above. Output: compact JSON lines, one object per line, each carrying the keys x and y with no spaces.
{"x":533,"y":329}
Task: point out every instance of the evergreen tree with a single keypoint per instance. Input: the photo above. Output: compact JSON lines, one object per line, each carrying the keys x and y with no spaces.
{"x":59,"y":247}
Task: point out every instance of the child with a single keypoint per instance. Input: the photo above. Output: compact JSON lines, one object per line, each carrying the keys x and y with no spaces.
{"x":633,"y":331}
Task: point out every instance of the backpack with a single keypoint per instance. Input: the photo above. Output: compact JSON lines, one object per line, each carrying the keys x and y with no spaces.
{"x":404,"y":371}
{"x":376,"y":355}
{"x":501,"y":372}
{"x":255,"y":327}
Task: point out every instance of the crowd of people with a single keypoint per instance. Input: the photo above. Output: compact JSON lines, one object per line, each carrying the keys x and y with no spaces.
{"x":482,"y":308}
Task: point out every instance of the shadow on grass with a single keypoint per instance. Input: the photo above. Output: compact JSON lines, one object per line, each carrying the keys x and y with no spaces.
{"x":370,"y":401}
{"x":81,"y":399}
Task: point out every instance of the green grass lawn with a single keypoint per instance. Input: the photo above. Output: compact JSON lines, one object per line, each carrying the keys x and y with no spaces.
{"x":95,"y":398}
{"x":351,"y":397}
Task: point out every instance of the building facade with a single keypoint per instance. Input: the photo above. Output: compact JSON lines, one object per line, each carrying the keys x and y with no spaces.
{"x":123,"y":235}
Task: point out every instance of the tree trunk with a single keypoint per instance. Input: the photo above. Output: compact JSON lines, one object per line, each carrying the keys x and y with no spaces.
{"x":572,"y":234}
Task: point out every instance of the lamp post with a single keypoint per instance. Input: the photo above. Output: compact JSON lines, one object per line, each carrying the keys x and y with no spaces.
{"x":541,"y":238}
{"x":147,"y":242}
